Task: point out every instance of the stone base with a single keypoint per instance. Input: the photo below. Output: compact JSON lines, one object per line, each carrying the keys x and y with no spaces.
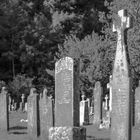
{"x":67,"y":133}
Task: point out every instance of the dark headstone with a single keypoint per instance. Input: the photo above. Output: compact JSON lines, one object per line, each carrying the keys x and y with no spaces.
{"x":4,"y":114}
{"x":120,"y":115}
{"x":97,"y":103}
{"x":137,"y":106}
{"x":86,"y":113}
{"x":33,"y":114}
{"x":46,"y":115}
{"x":67,"y":102}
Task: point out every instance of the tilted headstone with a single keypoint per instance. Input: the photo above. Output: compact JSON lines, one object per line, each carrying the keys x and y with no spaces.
{"x":84,"y":112}
{"x":67,"y":98}
{"x":33,"y":114}
{"x":4,"y":113}
{"x":97,"y":103}
{"x":120,"y":115}
{"x":46,"y":115}
{"x":137,"y":106}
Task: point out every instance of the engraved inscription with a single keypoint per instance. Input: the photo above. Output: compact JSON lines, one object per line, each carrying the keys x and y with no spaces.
{"x":66,"y":87}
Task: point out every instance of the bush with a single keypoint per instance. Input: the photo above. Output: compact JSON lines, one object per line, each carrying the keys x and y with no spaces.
{"x":20,"y":85}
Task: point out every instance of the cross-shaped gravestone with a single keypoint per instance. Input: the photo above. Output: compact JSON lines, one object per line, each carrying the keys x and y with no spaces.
{"x":109,"y":85}
{"x":121,"y":58}
{"x":120,"y":115}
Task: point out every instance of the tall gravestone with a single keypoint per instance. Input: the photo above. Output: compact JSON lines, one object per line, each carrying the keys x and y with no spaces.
{"x":33,"y":115}
{"x":97,"y":103}
{"x":67,"y":98}
{"x":137,"y":106}
{"x":120,"y":116}
{"x":46,"y":115}
{"x":4,"y":113}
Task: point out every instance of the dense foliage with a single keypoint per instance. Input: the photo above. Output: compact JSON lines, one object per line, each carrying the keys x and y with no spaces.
{"x":34,"y":34}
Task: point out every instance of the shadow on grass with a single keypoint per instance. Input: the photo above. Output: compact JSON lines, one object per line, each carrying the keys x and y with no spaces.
{"x":93,"y":138}
{"x":17,"y":128}
{"x":18,"y":133}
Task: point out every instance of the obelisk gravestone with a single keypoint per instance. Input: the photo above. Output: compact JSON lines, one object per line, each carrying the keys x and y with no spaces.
{"x":120,"y":117}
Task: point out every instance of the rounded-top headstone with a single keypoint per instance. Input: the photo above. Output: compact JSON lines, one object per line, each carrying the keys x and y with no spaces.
{"x":4,"y":90}
{"x":33,"y":91}
{"x":97,"y":103}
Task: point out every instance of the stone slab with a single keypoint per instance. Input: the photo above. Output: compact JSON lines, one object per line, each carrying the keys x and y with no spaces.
{"x":67,"y":133}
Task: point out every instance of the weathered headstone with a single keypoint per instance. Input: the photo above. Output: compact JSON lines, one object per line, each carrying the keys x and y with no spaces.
{"x":4,"y":113}
{"x":137,"y":106}
{"x":33,"y":114}
{"x":67,"y":102}
{"x":46,"y":115}
{"x":97,"y":104}
{"x":120,"y":115}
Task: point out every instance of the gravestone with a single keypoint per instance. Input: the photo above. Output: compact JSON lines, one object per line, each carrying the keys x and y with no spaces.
{"x":97,"y":104}
{"x":67,"y":99}
{"x":15,"y":106}
{"x":22,"y":103}
{"x":9,"y":102}
{"x":106,"y":102}
{"x":92,"y":104}
{"x":25,"y":109}
{"x":109,"y":86}
{"x":33,"y":114}
{"x":46,"y":114}
{"x":120,"y":115}
{"x":4,"y":113}
{"x":84,"y":112}
{"x":137,"y":106}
